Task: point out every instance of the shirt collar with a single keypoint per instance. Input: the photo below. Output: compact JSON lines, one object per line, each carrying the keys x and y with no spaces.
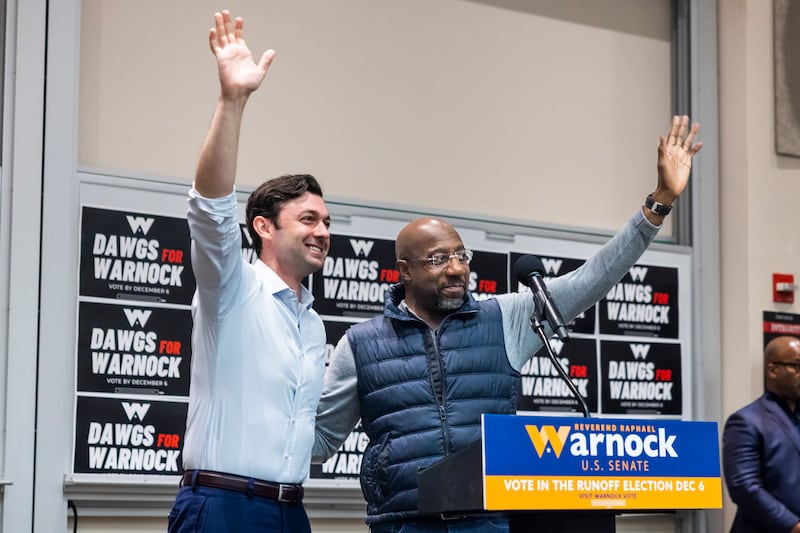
{"x":278,"y":287}
{"x":783,"y":405}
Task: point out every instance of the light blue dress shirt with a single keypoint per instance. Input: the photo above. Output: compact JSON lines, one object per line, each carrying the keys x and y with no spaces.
{"x":258,"y":357}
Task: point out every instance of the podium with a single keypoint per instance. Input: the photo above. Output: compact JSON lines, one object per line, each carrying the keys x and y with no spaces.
{"x":567,"y":474}
{"x":453,"y":487}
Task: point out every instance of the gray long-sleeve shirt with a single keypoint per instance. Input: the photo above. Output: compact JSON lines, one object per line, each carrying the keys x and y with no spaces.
{"x":339,"y":408}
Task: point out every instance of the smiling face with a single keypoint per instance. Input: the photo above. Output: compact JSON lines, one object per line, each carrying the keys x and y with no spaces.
{"x":296,"y":244}
{"x":432,"y":292}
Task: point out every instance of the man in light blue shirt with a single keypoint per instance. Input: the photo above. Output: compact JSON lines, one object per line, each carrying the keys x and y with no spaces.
{"x":258,"y":347}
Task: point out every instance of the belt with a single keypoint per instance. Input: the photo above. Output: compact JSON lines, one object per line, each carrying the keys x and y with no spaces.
{"x":282,"y":492}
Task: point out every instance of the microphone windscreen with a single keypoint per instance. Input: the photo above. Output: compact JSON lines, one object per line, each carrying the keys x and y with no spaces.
{"x":527,"y":265}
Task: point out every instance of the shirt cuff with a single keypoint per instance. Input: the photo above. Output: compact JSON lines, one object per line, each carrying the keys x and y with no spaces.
{"x":217,"y":209}
{"x":644,"y":225}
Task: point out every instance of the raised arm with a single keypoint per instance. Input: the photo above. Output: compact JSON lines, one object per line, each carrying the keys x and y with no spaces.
{"x":675,"y":152}
{"x":239,"y":76}
{"x":580,"y":289}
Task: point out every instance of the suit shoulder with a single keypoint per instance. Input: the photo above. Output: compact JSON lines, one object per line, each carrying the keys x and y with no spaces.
{"x":750,"y":412}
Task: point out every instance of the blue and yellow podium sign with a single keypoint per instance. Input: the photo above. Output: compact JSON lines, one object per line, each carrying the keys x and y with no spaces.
{"x":533,"y":462}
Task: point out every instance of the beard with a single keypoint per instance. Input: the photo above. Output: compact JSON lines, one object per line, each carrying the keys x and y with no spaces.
{"x":450,"y":304}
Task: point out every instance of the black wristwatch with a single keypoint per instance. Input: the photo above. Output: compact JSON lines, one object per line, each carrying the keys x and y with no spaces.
{"x":657,"y":208}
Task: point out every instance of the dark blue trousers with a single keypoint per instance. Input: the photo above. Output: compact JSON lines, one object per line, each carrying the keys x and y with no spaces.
{"x":209,"y":510}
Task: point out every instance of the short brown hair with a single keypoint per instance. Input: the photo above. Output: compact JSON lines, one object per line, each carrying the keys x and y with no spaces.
{"x":270,"y":197}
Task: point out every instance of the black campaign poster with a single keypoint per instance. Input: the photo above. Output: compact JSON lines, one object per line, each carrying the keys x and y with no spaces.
{"x":333,"y":332}
{"x":543,"y":389}
{"x":248,"y":249}
{"x":488,"y":275}
{"x":555,"y":266}
{"x":346,"y":462}
{"x":133,"y":256}
{"x":133,"y":350}
{"x":122,"y":436}
{"x":134,"y":338}
{"x":644,"y":303}
{"x":641,"y":377}
{"x":354,"y":277}
{"x":779,"y":324}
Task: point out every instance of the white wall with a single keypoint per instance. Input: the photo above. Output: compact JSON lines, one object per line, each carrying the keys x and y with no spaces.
{"x":758,"y":197}
{"x":501,"y":108}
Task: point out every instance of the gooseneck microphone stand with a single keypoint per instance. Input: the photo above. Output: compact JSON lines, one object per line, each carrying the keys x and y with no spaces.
{"x":536,"y":324}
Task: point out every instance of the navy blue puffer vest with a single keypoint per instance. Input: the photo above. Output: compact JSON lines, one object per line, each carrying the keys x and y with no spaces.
{"x":422,"y":393}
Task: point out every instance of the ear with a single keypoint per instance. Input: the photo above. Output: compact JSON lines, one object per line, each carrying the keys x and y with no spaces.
{"x":405,"y":273}
{"x":263,"y":227}
{"x":769,"y":371}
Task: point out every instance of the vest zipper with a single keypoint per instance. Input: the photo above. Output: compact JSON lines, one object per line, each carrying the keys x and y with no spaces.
{"x":436,"y":368}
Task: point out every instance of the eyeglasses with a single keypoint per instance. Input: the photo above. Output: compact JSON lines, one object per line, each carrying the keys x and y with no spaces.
{"x":437,"y":260}
{"x":794,"y":364}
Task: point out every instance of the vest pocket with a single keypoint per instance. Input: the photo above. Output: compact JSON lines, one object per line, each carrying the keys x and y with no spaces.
{"x":374,"y":468}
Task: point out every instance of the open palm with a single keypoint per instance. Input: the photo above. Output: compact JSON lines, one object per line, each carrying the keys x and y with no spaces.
{"x":239,"y":74}
{"x":675,"y":154}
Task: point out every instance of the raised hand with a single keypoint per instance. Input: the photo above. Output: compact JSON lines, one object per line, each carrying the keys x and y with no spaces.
{"x":239,"y":74}
{"x":675,"y":154}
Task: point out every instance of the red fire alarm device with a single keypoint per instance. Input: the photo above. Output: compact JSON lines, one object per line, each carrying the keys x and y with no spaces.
{"x":783,"y":288}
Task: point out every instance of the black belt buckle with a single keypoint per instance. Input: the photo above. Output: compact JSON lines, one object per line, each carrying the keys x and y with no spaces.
{"x":281,"y":498}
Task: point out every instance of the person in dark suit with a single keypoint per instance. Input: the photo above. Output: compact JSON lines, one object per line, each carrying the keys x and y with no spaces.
{"x":761,"y":448}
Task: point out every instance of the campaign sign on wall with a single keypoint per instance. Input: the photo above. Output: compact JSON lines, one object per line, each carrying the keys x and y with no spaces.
{"x":644,"y":303}
{"x":640,"y":377}
{"x":585,"y":463}
{"x":543,"y":389}
{"x":334,"y":331}
{"x":133,"y":350}
{"x":123,"y":436}
{"x":554,"y":267}
{"x":355,"y":275}
{"x":248,"y":249}
{"x":346,"y":462}
{"x":488,"y":275}
{"x":779,"y":324}
{"x":133,"y":256}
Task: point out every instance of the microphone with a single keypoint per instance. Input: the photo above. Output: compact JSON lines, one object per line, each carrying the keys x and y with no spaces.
{"x":529,"y":270}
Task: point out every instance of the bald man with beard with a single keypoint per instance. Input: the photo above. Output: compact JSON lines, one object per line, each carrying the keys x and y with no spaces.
{"x":420,"y":375}
{"x":761,"y":448}
{"x":432,"y":292}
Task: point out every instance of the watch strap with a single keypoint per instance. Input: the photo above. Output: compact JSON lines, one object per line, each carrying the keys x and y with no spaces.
{"x":656,"y":207}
